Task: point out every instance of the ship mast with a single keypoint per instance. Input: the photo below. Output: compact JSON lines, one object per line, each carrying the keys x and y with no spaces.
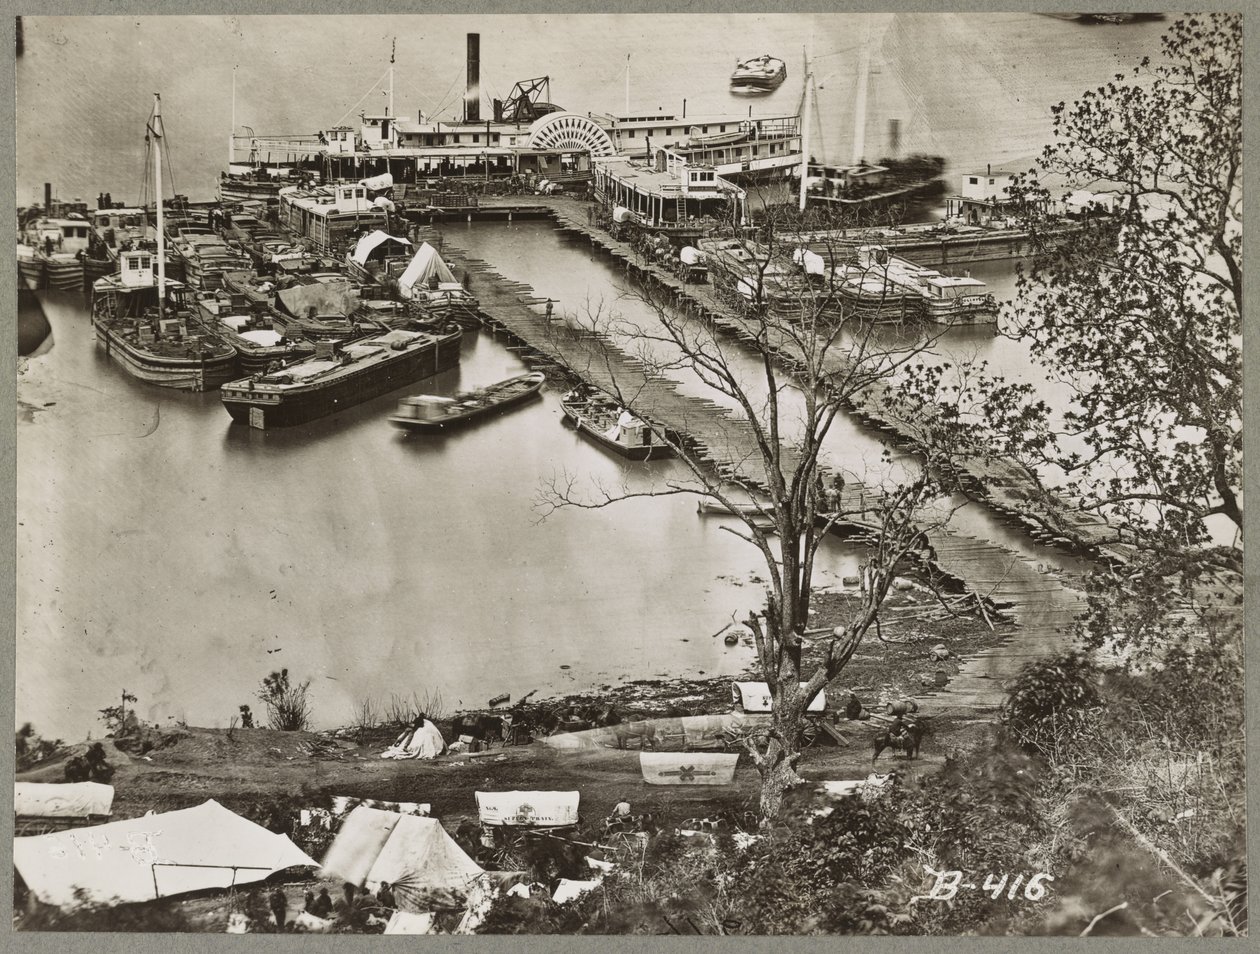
{"x":859,"y":111}
{"x":805,"y":123}
{"x":393,"y":48}
{"x":155,"y":131}
{"x":232,"y":131}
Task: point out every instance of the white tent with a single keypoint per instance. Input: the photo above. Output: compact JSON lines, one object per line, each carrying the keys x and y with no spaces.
{"x":528,"y":808}
{"x":423,"y":742}
{"x":369,"y":243}
{"x":412,"y":853}
{"x":52,"y":800}
{"x":152,"y":857}
{"x":423,"y":266}
{"x":811,"y":262}
{"x":568,"y":890}
{"x":378,"y":183}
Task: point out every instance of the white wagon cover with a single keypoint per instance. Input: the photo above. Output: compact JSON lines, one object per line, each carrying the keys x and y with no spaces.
{"x":688,"y":768}
{"x":756,"y":697}
{"x":528,"y":808}
{"x":73,"y":800}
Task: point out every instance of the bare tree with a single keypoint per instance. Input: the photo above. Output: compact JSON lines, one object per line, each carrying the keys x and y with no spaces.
{"x":787,"y":354}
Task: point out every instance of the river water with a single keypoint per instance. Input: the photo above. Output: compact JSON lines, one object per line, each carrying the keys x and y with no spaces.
{"x":164,"y":551}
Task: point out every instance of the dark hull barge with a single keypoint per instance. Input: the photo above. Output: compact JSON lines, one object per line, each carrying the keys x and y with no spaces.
{"x":340,"y":377}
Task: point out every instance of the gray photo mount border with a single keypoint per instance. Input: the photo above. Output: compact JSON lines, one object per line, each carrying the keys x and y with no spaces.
{"x":158,"y":944}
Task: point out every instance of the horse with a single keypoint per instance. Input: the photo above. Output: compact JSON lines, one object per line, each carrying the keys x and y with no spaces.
{"x":901,"y":735}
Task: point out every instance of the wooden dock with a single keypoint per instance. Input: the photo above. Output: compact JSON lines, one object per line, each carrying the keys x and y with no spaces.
{"x":1041,"y":603}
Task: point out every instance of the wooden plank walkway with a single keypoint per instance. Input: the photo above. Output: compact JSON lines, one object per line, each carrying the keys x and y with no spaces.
{"x":1041,"y":604}
{"x":1005,"y":484}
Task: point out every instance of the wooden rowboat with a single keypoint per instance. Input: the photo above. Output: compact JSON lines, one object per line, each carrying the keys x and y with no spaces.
{"x":614,"y":427}
{"x":748,"y":510}
{"x":431,"y":412}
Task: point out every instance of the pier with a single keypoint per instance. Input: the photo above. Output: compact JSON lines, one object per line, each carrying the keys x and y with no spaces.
{"x":1038,"y":600}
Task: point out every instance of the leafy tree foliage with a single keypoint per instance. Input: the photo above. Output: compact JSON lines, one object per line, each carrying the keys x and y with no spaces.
{"x":1139,"y":314}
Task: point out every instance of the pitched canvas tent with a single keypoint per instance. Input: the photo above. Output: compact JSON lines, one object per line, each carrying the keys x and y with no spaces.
{"x":412,"y":853}
{"x":378,"y":242}
{"x":424,"y":265}
{"x":402,"y":922}
{"x":51,"y":800}
{"x":156,"y":856}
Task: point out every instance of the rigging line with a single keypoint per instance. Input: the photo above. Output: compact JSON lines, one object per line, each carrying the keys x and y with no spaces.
{"x":446,"y":98}
{"x":371,"y":90}
{"x":489,"y":94}
{"x":415,"y":93}
{"x":840,"y":52}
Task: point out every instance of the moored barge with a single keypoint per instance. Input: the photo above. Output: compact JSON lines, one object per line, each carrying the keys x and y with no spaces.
{"x":167,"y":346}
{"x":340,"y":376}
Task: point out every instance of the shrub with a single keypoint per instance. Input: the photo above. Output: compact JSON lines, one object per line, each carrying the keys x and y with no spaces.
{"x":288,"y":708}
{"x":150,"y":916}
{"x":1050,"y":702}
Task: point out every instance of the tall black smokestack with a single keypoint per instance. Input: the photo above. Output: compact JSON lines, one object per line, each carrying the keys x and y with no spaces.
{"x":47,"y":197}
{"x":472,"y":95}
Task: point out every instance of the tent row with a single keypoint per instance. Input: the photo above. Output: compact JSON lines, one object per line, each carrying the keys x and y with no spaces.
{"x":210,"y":846}
{"x":425,"y":270}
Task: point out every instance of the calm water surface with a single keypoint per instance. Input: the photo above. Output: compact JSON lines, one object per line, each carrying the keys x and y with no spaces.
{"x":164,"y":551}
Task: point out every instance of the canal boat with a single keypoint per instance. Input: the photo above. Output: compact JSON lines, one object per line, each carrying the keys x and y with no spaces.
{"x":114,"y":229}
{"x":865,"y":185}
{"x":30,"y":267}
{"x":329,"y":217}
{"x":614,"y":427}
{"x":206,"y":258}
{"x":760,"y":74}
{"x":152,"y":331}
{"x":882,"y":286}
{"x":340,"y":376}
{"x":56,"y":248}
{"x":147,"y":322}
{"x":433,"y":412}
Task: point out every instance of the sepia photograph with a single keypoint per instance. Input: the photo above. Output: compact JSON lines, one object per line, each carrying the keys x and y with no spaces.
{"x":678,"y":473}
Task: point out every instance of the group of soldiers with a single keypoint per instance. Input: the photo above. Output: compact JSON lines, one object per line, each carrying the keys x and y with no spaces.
{"x":350,"y":911}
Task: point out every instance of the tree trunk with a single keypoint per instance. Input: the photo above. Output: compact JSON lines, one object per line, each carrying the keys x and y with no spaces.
{"x":776,"y":779}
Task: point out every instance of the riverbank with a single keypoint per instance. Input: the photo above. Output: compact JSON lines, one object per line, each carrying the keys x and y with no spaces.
{"x":257,"y":772}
